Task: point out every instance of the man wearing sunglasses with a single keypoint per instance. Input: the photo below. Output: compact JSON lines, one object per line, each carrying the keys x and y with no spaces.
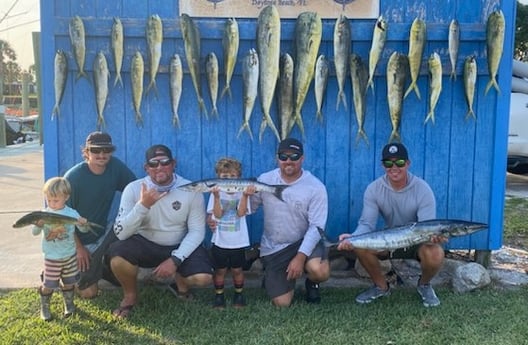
{"x":95,"y":183}
{"x":400,"y":198}
{"x":162,"y":227}
{"x":290,"y":244}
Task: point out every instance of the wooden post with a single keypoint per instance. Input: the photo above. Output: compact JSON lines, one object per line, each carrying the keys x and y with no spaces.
{"x":25,"y":93}
{"x":2,"y":127}
{"x":483,"y":257}
{"x":36,"y":54}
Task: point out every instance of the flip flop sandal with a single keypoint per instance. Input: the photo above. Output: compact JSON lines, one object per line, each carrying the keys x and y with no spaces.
{"x":123,"y":312}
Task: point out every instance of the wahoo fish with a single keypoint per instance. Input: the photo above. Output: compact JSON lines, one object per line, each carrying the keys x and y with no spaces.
{"x":494,"y":44}
{"x":175,"y":83}
{"x":359,"y":76}
{"x":250,"y":76}
{"x":101,"y":78}
{"x":322,"y":68}
{"x":53,"y":219}
{"x":230,"y":43}
{"x":342,"y":45}
{"x":211,"y":72}
{"x":397,"y":70}
{"x":268,"y":50}
{"x":154,"y":33}
{"x":117,"y":48}
{"x":378,"y":42}
{"x":60,"y":77}
{"x":308,"y":32}
{"x":416,"y":47}
{"x":286,"y":95}
{"x":453,"y":43}
{"x":470,"y":80}
{"x":229,"y":185}
{"x":76,"y":30}
{"x":435,"y":86}
{"x":191,"y":40}
{"x":137,"y":69}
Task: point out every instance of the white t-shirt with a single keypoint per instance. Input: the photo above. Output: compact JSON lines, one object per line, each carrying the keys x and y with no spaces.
{"x":231,"y":230}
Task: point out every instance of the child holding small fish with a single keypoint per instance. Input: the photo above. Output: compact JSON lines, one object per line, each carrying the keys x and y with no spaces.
{"x":58,"y":246}
{"x":230,"y":236}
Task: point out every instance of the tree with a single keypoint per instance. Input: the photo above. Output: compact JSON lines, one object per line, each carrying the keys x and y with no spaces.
{"x":7,"y":56}
{"x":521,"y":33}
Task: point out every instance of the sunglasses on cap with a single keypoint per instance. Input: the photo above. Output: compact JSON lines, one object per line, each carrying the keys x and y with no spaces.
{"x":97,"y":150}
{"x":400,"y":163}
{"x":154,"y":163}
{"x":294,"y":157}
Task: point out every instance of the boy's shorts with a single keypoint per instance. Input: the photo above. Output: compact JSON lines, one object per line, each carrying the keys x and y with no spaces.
{"x":228,"y":257}
{"x":64,"y":270}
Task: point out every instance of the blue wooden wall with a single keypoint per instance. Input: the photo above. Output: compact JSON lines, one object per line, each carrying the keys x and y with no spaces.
{"x":463,"y":161}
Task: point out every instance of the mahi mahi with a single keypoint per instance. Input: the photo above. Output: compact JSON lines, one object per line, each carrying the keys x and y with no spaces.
{"x":250,"y":75}
{"x":230,"y":43}
{"x":76,"y":30}
{"x":154,"y":33}
{"x":342,"y":44}
{"x":470,"y":79}
{"x":417,"y":38}
{"x":60,"y":77}
{"x":117,"y":48}
{"x":101,"y":78}
{"x":137,"y":69}
{"x":285,"y":97}
{"x":378,"y":43}
{"x":322,"y":68}
{"x":495,"y":44}
{"x":453,"y":44}
{"x":359,"y":78}
{"x":175,"y":83}
{"x":397,"y":71}
{"x":435,"y":86}
{"x":211,"y":72}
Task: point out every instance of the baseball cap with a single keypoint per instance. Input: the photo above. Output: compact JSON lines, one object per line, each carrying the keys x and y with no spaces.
{"x":158,"y":150}
{"x":290,"y":144}
{"x":394,"y":150}
{"x":99,"y":139}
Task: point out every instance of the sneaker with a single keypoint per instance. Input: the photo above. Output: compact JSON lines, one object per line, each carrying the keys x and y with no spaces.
{"x":428,"y":295}
{"x":371,"y":294}
{"x":219,"y":301}
{"x":184,"y":296}
{"x":312,"y":291}
{"x":238,"y":300}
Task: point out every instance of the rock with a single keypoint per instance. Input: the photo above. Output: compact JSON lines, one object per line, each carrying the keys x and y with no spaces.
{"x":469,"y":277}
{"x":508,"y":278}
{"x":386,"y":266}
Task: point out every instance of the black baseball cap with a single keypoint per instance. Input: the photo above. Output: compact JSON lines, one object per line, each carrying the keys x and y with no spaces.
{"x":394,"y":151}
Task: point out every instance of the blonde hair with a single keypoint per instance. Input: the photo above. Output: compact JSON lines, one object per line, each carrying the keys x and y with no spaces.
{"x":228,"y":164}
{"x":57,"y":186}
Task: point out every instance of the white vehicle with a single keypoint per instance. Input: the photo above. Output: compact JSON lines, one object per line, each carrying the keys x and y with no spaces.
{"x":518,"y":134}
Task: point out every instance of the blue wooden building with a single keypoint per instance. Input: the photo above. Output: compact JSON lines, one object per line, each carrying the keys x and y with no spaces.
{"x":464,"y":161}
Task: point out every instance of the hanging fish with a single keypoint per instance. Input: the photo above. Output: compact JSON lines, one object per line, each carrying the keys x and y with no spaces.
{"x":101,"y":78}
{"x":76,"y":30}
{"x":342,"y":44}
{"x":359,"y":77}
{"x":250,"y":75}
{"x":117,"y":48}
{"x":470,"y":80}
{"x":495,"y":45}
{"x":322,"y":68}
{"x":378,"y":43}
{"x":60,"y":77}
{"x":285,"y":97}
{"x":230,"y":42}
{"x":435,"y":86}
{"x":211,"y":72}
{"x":175,"y":83}
{"x":453,"y":43}
{"x":416,"y":47}
{"x":137,"y":70}
{"x":397,"y":71}
{"x":154,"y":34}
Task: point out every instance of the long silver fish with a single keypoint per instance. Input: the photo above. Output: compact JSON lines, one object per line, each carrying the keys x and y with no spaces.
{"x":232,"y":185}
{"x":453,"y":44}
{"x":154,"y":33}
{"x":322,"y":68}
{"x":268,"y":50}
{"x":308,"y":32}
{"x":53,"y":219}
{"x":137,"y":70}
{"x":230,"y":43}
{"x":211,"y":72}
{"x":417,"y":38}
{"x":101,"y":78}
{"x":397,"y":71}
{"x":250,"y":76}
{"x":60,"y":77}
{"x":285,"y":97}
{"x":470,"y":80}
{"x":191,"y":40}
{"x":494,"y":46}
{"x":342,"y":44}
{"x":175,"y":83}
{"x":76,"y":30}
{"x":359,"y":77}
{"x":378,"y":43}
{"x":117,"y":42}
{"x":435,"y":85}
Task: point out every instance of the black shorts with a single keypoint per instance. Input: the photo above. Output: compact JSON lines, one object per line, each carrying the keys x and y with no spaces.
{"x":228,"y":258}
{"x":143,"y":253}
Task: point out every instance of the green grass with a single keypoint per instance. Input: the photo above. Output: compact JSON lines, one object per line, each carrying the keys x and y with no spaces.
{"x":481,"y":317}
{"x":515,"y":221}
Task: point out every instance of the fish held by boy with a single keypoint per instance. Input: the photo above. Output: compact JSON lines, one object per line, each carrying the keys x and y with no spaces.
{"x":51,"y":218}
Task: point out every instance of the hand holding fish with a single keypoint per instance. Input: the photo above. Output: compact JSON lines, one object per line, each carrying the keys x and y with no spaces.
{"x":56,"y":233}
{"x":149,"y":196}
{"x":344,"y":245}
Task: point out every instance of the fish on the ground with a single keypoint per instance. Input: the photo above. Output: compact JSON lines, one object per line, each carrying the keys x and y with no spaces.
{"x":53,"y":219}
{"x":308,"y":32}
{"x":101,"y":78}
{"x":435,"y":85}
{"x":250,"y":76}
{"x":175,"y":86}
{"x":494,"y":46}
{"x":211,"y":72}
{"x":137,"y":69}
{"x":453,"y":44}
{"x":285,"y":95}
{"x":342,"y":44}
{"x":268,"y":50}
{"x":77,"y":39}
{"x":359,"y":77}
{"x":191,"y":42}
{"x":117,"y":41}
{"x":417,"y":38}
{"x":154,"y":33}
{"x":397,"y":71}
{"x":60,"y":77}
{"x":322,"y":68}
{"x":232,"y":185}
{"x":470,"y":80}
{"x":230,"y":43}
{"x":378,"y":43}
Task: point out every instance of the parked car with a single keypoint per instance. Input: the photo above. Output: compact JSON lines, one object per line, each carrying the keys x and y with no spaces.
{"x":518,"y":134}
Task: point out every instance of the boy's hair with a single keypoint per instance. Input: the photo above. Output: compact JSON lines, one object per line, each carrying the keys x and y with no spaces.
{"x":56,"y":186}
{"x":228,"y":164}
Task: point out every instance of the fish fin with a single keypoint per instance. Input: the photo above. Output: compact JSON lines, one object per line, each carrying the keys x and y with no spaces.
{"x":152,"y":85}
{"x":118,"y":79}
{"x":56,"y":111}
{"x":319,"y":115}
{"x":201,"y":105}
{"x":430,"y":116}
{"x":341,"y":97}
{"x":214,"y":112}
{"x":370,"y":84}
{"x":227,"y":89}
{"x":139,"y":119}
{"x":299,"y":122}
{"x":470,"y":113}
{"x":245,"y":126}
{"x":279,"y":189}
{"x":361,"y":134}
{"x":453,"y":75}
{"x":492,"y":82}
{"x":81,"y":74}
{"x":176,"y":120}
{"x":414,"y":87}
{"x":100,"y":122}
{"x":395,"y":136}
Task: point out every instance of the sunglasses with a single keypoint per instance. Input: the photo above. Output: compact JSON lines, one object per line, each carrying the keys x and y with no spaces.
{"x":97,"y":150}
{"x":294,"y":157}
{"x":400,"y":163}
{"x":154,"y":163}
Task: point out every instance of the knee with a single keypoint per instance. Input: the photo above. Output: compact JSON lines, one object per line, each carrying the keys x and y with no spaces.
{"x":432,"y":254}
{"x":318,"y":272}
{"x":88,"y":293}
{"x":282,"y":301}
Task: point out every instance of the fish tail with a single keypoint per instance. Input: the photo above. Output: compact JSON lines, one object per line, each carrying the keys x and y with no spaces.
{"x":81,"y":74}
{"x":492,"y":82}
{"x":56,"y":111}
{"x":362,"y":135}
{"x":430,"y":116}
{"x":152,"y":85}
{"x":470,"y":113}
{"x":370,"y":84}
{"x":414,"y":87}
{"x":453,"y":75}
{"x":118,"y":79}
{"x":214,"y":112}
{"x":279,"y":189}
{"x":341,"y":97}
{"x":176,"y":120}
{"x":100,"y":122}
{"x":395,"y":136}
{"x":245,"y":126}
{"x":299,"y":122}
{"x":139,"y":119}
{"x":227,"y":89}
{"x":201,"y":105}
{"x":319,"y":115}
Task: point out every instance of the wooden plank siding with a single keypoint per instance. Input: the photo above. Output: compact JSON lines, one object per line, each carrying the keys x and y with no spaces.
{"x":464,"y":161}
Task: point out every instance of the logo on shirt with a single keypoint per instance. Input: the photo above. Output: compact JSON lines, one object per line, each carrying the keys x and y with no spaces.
{"x":176,"y":205}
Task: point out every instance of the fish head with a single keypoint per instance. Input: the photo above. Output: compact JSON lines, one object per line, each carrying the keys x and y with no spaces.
{"x":381,"y":23}
{"x":462,"y":228}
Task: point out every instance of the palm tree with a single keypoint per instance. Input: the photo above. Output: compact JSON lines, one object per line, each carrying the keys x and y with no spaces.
{"x":6,"y":53}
